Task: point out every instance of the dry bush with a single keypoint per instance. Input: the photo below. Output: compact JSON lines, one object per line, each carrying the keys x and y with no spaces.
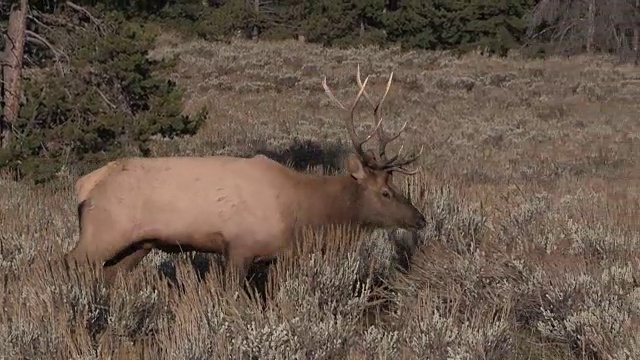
{"x":529,"y":183}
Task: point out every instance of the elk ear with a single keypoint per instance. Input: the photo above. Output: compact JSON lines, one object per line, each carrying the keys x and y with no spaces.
{"x":355,"y":167}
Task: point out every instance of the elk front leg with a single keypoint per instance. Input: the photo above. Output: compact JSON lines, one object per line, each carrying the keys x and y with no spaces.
{"x":124,"y":262}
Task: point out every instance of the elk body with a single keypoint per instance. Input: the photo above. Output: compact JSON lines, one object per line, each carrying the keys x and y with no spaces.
{"x":243,"y":208}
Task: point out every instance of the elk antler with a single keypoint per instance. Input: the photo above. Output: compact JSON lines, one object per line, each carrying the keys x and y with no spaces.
{"x":395,"y":163}
{"x":357,"y":141}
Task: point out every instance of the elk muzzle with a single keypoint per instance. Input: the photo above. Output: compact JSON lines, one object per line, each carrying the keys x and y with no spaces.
{"x":420,"y":223}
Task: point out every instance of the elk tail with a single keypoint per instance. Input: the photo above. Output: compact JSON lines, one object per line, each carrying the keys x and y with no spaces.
{"x":85,"y":184}
{"x":81,"y":208}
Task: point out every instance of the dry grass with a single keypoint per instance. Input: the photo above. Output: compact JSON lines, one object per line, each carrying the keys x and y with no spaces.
{"x":529,"y":183}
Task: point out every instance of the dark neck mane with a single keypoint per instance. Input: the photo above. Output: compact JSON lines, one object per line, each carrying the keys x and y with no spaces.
{"x":324,"y":200}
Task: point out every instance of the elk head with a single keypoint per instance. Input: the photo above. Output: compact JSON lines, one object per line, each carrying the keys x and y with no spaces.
{"x":382,"y":204}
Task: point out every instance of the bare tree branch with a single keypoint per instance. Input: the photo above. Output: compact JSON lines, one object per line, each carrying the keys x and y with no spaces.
{"x":34,"y":37}
{"x":12,"y":70}
{"x":106,"y":100}
{"x":45,"y":20}
{"x":586,"y":25}
{"x":38,"y":22}
{"x":86,"y":12}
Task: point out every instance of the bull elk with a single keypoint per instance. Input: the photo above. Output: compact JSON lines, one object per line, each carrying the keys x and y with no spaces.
{"x":243,"y":208}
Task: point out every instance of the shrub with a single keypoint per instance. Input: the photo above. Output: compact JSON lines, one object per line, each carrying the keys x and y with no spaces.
{"x":108,"y":101}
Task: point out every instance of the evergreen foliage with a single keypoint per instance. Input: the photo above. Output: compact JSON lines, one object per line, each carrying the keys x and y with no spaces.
{"x":105,"y":99}
{"x":494,"y":25}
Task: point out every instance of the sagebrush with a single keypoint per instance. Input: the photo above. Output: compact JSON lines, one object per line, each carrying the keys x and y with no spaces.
{"x":529,"y":183}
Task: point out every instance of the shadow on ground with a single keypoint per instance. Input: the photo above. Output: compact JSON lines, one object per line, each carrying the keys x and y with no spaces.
{"x":307,"y":153}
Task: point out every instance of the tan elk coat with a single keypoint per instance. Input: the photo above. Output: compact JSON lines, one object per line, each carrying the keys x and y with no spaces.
{"x":244,"y":208}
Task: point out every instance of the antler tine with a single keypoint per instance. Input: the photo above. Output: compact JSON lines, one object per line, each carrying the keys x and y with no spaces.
{"x":330,"y":94}
{"x":351,"y":127}
{"x":406,"y":171}
{"x":357,"y":142}
{"x":360,"y":84}
{"x":397,"y":155}
{"x":383,"y":138}
{"x":378,"y":124}
{"x":394,"y":165}
{"x":391,"y":164}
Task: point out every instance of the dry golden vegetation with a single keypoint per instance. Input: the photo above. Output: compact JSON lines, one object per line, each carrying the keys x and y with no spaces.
{"x":529,"y":181}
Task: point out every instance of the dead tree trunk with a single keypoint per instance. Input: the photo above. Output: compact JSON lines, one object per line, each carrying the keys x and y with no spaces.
{"x":636,"y":32}
{"x":12,"y":70}
{"x":254,"y":29}
{"x":591,"y":24}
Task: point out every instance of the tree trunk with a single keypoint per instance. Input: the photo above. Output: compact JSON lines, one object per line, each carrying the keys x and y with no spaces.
{"x":254,"y":31}
{"x":12,"y":70}
{"x":636,"y":33}
{"x":591,"y":24}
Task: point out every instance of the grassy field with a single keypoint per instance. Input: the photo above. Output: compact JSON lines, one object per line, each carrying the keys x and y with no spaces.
{"x":529,"y":182}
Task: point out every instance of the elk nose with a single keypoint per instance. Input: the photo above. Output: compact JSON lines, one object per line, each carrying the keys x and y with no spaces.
{"x":421,"y":223}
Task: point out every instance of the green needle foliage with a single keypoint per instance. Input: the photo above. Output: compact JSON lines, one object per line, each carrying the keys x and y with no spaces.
{"x":109,"y":99}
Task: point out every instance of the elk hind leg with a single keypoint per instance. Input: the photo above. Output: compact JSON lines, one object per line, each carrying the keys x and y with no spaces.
{"x":98,"y":244}
{"x":82,"y":253}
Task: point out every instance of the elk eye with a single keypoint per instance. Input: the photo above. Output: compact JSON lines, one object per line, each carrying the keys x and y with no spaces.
{"x":386,"y":193}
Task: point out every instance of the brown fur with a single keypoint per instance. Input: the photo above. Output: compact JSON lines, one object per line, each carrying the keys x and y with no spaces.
{"x":244,"y":208}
